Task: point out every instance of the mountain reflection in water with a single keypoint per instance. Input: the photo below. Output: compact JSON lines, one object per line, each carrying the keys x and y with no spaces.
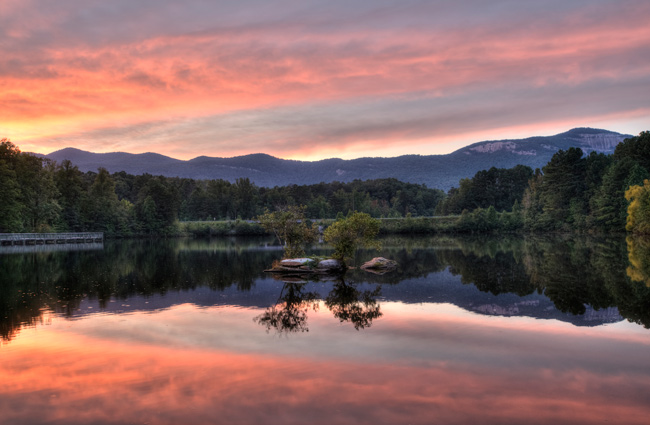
{"x":489,"y":330}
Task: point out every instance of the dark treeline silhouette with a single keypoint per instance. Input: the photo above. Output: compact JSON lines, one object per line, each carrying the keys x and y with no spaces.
{"x":40,"y":195}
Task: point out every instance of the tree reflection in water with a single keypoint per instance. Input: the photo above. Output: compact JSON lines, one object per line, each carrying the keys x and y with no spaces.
{"x":575,"y":273}
{"x":289,"y":314}
{"x":345,"y":301}
{"x":348,"y":304}
{"x":639,"y":256}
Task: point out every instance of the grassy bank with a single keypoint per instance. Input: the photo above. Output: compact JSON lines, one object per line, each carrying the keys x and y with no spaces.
{"x":480,"y":221}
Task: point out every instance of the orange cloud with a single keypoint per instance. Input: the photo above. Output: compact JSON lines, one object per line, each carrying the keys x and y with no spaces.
{"x":67,"y":88}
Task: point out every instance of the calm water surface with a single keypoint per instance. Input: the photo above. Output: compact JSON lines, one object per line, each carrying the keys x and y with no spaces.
{"x":472,"y":330}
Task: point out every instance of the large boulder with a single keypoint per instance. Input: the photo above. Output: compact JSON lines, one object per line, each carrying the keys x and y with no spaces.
{"x":331,"y":265}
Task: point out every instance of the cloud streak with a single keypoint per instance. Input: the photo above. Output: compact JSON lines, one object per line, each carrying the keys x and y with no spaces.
{"x":226,"y":77}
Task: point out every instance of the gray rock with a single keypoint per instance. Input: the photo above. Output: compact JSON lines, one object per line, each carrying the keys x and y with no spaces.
{"x":379,"y":265}
{"x":296,"y":262}
{"x":330,"y":264}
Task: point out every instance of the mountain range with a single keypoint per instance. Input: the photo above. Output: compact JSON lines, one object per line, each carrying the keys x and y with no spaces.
{"x":436,"y":171}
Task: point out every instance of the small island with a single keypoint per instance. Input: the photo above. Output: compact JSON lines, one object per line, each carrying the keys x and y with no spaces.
{"x":346,"y":235}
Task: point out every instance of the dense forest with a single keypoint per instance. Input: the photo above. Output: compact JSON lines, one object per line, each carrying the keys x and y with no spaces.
{"x":497,"y":187}
{"x":41,"y":195}
{"x":592,"y":192}
{"x":573,"y":191}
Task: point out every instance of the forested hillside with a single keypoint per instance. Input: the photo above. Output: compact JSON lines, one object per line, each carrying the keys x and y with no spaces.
{"x":436,"y":171}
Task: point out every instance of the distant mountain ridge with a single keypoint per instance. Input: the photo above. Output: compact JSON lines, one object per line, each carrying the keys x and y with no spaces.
{"x":436,"y":171}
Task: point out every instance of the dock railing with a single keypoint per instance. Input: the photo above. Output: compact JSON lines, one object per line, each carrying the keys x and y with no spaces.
{"x":8,"y":239}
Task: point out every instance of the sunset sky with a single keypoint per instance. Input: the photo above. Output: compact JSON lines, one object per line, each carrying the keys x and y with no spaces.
{"x":315,"y":79}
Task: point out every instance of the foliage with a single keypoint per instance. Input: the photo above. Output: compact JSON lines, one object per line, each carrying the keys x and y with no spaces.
{"x":572,"y":192}
{"x":290,"y":228}
{"x":638,"y":212}
{"x":636,"y":148}
{"x":355,"y":231}
{"x":577,"y":192}
{"x":496,"y":187}
{"x":10,"y":207}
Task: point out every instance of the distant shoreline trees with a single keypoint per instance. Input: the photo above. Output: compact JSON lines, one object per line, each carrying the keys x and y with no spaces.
{"x":40,"y":195}
{"x":573,"y":192}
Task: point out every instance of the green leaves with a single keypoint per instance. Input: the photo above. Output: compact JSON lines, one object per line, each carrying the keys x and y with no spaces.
{"x":356,"y":231}
{"x":290,"y":228}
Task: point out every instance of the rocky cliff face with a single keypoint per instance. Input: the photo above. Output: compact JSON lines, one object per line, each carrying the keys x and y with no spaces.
{"x":603,"y":142}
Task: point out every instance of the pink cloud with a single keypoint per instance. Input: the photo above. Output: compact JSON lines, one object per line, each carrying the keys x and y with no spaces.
{"x":61,"y":85}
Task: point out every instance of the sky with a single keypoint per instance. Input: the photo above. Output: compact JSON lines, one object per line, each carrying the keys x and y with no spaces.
{"x":314,"y":79}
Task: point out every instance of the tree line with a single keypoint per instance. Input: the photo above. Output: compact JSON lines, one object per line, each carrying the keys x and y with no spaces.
{"x":574,"y":191}
{"x":588,"y":192}
{"x":39,"y":195}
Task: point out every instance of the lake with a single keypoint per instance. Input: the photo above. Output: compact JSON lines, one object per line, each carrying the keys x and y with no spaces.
{"x":490,"y":330}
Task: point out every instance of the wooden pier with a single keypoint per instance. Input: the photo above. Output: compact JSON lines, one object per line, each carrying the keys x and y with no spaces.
{"x":11,"y":239}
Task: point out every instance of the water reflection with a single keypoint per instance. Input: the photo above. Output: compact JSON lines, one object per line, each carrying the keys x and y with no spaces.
{"x":419,"y":367}
{"x":289,"y":314}
{"x":639,"y":255}
{"x":454,"y":337}
{"x":595,"y":279}
{"x":345,"y":300}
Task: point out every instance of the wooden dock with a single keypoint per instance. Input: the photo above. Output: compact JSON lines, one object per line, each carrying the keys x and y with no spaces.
{"x":12,"y":239}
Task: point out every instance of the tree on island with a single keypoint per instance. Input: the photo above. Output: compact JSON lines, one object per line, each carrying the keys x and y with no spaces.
{"x":351,"y":233}
{"x":290,"y":228}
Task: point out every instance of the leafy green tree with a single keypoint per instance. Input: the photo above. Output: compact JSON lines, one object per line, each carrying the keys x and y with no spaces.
{"x":73,"y":195}
{"x":220,"y":203}
{"x":29,"y":194}
{"x":290,"y":228}
{"x":497,"y":187}
{"x":353,"y":232}
{"x":101,"y":214}
{"x":555,"y":199}
{"x":158,"y":205}
{"x":39,"y":194}
{"x":245,"y":194}
{"x":10,"y":207}
{"x":636,"y":148}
